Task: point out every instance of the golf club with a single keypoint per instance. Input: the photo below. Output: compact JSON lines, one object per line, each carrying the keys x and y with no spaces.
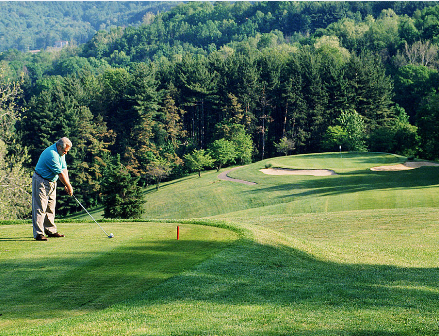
{"x":108,"y":235}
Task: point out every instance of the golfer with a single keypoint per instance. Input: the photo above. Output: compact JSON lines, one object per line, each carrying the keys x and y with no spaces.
{"x":51,"y":166}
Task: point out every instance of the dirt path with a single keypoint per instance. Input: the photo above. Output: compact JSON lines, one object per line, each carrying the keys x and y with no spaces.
{"x":223,"y":176}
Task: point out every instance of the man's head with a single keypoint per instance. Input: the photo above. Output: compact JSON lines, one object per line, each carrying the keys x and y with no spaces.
{"x":63,"y":145}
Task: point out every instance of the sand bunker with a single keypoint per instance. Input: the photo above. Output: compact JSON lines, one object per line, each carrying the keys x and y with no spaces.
{"x":327,"y":172}
{"x":404,"y":166}
{"x":285,"y":171}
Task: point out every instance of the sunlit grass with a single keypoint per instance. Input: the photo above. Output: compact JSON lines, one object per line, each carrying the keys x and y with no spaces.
{"x":86,"y":271}
{"x":293,"y":278}
{"x":348,"y":254}
{"x":355,"y":187}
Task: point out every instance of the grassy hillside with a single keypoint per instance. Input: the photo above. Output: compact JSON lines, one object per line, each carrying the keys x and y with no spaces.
{"x":347,"y":254}
{"x":355,"y":187}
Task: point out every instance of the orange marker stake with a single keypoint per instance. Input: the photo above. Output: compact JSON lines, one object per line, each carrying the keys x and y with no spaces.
{"x":178,"y":232}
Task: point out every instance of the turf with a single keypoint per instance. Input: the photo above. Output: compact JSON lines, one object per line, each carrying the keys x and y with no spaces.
{"x":42,"y":282}
{"x":349,"y":254}
{"x":355,"y":187}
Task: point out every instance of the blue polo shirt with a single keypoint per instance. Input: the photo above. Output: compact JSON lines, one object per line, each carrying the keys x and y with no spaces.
{"x":50,"y":164}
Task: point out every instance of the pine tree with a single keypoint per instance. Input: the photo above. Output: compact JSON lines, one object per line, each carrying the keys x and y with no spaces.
{"x":123,"y":198}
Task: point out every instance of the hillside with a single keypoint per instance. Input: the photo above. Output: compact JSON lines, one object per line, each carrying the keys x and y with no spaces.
{"x":354,"y":187}
{"x":347,"y":254}
{"x":227,"y":82}
{"x":30,"y":25}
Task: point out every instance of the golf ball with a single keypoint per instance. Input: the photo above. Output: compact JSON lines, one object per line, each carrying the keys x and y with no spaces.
{"x":111,"y":235}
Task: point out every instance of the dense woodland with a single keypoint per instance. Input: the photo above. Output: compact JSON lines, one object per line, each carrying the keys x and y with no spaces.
{"x":36,"y":25}
{"x":208,"y":85}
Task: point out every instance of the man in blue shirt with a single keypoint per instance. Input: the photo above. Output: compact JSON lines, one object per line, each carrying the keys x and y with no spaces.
{"x":51,"y":166}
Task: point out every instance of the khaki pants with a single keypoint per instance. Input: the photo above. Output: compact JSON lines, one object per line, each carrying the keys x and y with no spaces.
{"x":43,"y":205}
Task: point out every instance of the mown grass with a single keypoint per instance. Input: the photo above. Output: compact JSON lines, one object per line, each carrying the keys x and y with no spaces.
{"x":355,"y":187}
{"x":349,"y":254}
{"x":355,"y":273}
{"x":41,"y":282}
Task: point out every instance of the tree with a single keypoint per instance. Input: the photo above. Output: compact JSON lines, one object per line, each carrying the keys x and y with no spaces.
{"x":240,"y":139}
{"x":157,"y":170}
{"x":412,"y":84}
{"x":59,"y":110}
{"x":397,"y":136}
{"x":223,"y":152}
{"x":173,"y":120}
{"x":285,"y":145}
{"x":348,"y":133}
{"x":145,"y":128}
{"x":198,"y":160}
{"x":421,"y":53}
{"x":15,"y":185}
{"x":90,"y":147}
{"x":428,"y":126}
{"x":15,"y":182}
{"x":198,"y":90}
{"x":369,"y":89}
{"x":295,"y":109}
{"x":335,"y":137}
{"x":123,"y":198}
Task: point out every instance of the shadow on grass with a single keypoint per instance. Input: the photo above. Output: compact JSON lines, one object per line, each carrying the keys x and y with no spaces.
{"x":355,"y":181}
{"x":261,"y":275}
{"x":258,"y":273}
{"x":43,"y":287}
{"x":17,"y":239}
{"x":245,"y":273}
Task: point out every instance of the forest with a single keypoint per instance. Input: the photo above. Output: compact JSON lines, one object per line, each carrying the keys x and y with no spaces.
{"x":36,"y":25}
{"x":211,"y":84}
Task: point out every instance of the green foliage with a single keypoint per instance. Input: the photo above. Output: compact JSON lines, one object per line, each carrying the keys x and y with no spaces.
{"x":350,"y":133}
{"x":157,"y":170}
{"x":123,"y":198}
{"x":249,"y":73}
{"x":412,"y":84}
{"x":15,"y":184}
{"x":428,"y":126}
{"x":38,"y":25}
{"x":285,"y":145}
{"x":223,"y":152}
{"x":241,"y":140}
{"x":198,"y":160}
{"x":335,"y":138}
{"x":15,"y":181}
{"x":398,"y":136}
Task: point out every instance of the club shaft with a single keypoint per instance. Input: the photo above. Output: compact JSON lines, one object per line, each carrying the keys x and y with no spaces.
{"x":89,"y":214}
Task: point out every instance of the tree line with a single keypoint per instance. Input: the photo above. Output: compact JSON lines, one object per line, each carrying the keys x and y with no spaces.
{"x":137,"y":118}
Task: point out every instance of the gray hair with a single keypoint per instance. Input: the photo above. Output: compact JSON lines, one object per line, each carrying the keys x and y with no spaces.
{"x":64,"y":142}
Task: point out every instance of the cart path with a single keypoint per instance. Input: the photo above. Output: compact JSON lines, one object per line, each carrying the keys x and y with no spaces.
{"x":225,"y":177}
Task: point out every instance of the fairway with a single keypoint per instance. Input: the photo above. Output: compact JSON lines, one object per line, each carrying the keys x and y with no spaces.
{"x":351,"y":254}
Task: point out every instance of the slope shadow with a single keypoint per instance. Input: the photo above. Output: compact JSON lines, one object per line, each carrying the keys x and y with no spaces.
{"x":355,"y":181}
{"x":48,"y":287}
{"x":242,"y":274}
{"x":262,"y":275}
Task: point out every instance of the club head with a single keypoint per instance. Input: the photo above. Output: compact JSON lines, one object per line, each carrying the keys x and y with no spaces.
{"x":111,"y":235}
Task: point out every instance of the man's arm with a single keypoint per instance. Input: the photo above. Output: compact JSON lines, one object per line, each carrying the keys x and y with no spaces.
{"x":64,"y":178}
